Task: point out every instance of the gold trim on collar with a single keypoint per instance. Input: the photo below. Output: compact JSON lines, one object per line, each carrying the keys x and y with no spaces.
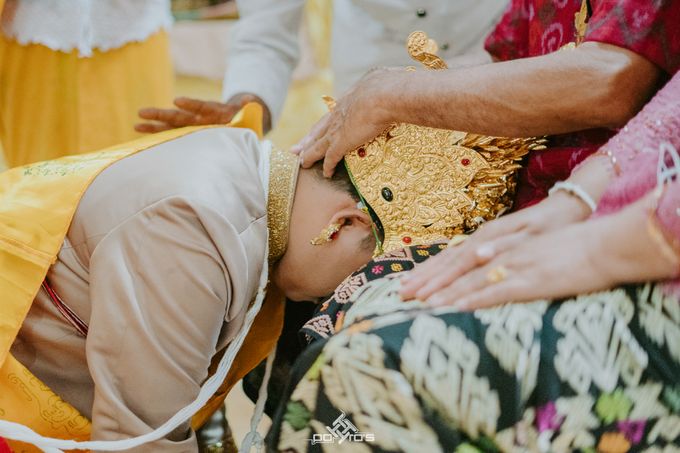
{"x":283,"y":174}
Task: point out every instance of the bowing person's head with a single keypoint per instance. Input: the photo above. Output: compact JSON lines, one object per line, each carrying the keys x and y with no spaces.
{"x":330,"y":236}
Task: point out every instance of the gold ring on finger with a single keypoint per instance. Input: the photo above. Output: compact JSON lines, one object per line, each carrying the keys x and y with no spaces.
{"x":497,"y":274}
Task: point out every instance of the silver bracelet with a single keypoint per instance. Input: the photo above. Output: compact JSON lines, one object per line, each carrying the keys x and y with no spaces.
{"x":575,"y":190}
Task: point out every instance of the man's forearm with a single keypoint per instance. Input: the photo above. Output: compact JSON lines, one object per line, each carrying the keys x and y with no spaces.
{"x":595,"y":85}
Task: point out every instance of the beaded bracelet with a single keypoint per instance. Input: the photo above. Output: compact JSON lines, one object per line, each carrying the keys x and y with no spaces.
{"x":575,"y":190}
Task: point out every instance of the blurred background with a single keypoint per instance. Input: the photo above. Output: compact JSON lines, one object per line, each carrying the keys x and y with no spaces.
{"x":199,"y":43}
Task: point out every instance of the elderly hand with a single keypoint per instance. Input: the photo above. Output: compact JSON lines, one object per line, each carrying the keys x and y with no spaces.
{"x":194,"y":112}
{"x":491,"y":239}
{"x":560,"y":263}
{"x":358,"y":116}
{"x":584,"y":257}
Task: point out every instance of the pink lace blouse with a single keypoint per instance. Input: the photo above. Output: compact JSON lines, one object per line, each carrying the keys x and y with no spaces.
{"x":636,"y":152}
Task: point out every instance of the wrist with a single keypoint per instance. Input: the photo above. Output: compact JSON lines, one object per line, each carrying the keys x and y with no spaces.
{"x":582,"y":204}
{"x":567,"y":208}
{"x":594,"y":175}
{"x":627,"y":250}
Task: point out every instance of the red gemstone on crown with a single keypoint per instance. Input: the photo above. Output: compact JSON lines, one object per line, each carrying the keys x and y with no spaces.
{"x":406,"y":239}
{"x":465,"y":162}
{"x":361,"y":152}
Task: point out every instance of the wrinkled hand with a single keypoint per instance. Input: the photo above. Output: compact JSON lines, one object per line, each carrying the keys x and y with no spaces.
{"x":194,"y":112}
{"x":491,"y":240}
{"x":358,"y":116}
{"x":561,"y":263}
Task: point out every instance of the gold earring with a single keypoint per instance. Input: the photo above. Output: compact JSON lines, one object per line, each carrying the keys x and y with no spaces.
{"x":327,"y":234}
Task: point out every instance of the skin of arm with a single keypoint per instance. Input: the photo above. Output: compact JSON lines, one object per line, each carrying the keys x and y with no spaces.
{"x":594,"y":85}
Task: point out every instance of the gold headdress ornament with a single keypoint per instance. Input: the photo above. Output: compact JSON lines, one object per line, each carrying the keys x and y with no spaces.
{"x":423,"y":184}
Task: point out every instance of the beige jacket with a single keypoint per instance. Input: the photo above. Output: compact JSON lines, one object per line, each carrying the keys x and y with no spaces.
{"x":161,"y":261}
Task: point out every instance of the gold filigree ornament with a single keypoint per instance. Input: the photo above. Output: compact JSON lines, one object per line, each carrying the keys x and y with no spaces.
{"x":580,"y":25}
{"x":424,"y":185}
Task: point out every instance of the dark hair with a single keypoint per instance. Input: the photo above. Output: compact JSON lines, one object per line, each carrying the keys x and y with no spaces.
{"x":340,"y":179}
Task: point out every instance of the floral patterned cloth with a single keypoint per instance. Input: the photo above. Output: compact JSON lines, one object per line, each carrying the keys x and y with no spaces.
{"x":330,"y":315}
{"x":537,"y":27}
{"x":598,"y":372}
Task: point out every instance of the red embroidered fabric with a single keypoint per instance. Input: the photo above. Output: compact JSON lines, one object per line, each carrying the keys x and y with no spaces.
{"x":537,"y":27}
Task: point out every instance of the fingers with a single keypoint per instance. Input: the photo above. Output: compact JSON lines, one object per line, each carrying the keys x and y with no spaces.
{"x":313,"y":146}
{"x":333,"y":156}
{"x":314,"y":153}
{"x":455,"y":263}
{"x":210,"y":112}
{"x":171,"y":117}
{"x":450,"y":294}
{"x":450,"y":264}
{"x":445,"y":271}
{"x":151,"y":128}
{"x":492,"y":295}
{"x":197,"y":106}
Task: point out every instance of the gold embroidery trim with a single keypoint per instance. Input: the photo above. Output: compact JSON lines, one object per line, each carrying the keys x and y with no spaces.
{"x":283,"y":174}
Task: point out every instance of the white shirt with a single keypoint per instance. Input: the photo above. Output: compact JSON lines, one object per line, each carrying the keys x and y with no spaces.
{"x":64,"y":25}
{"x":366,"y":34}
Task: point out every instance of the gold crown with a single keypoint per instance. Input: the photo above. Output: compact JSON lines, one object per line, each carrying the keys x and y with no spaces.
{"x":423,"y":184}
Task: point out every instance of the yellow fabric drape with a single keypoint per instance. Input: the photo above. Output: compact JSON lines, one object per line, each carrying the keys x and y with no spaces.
{"x":37,"y":204}
{"x":55,"y":103}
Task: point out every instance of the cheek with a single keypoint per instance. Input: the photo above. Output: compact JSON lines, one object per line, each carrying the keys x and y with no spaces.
{"x":300,"y":276}
{"x":344,"y":267}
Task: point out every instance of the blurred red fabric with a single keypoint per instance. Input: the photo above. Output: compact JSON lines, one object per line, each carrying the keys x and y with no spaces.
{"x":531,"y":28}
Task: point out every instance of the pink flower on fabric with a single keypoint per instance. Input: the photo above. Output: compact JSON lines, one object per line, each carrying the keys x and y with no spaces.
{"x":378,"y":269}
{"x":547,"y":417}
{"x":632,"y":429}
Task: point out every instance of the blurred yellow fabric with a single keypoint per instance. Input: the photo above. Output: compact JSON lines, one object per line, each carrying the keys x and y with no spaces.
{"x":55,"y":103}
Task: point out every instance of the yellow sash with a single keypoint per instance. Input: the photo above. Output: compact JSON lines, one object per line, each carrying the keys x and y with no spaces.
{"x":37,"y":204}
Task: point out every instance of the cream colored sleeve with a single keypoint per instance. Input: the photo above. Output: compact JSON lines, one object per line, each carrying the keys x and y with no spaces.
{"x":264,"y":51}
{"x":159,"y":291}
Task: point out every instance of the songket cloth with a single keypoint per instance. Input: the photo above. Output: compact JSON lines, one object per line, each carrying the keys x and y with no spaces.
{"x":56,"y":103}
{"x":591,"y":373}
{"x":532,"y":28}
